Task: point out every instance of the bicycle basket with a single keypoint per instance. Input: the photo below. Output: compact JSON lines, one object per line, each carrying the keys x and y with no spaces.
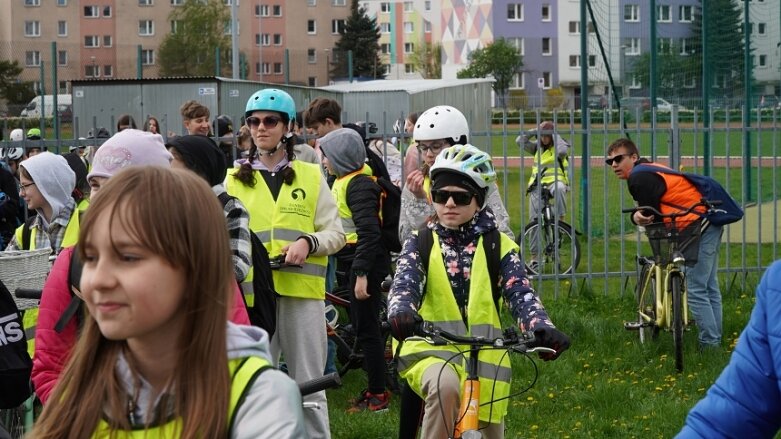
{"x":24,"y":269}
{"x":662,"y":238}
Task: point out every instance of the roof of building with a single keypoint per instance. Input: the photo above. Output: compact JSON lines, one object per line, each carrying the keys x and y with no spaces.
{"x":407,"y":85}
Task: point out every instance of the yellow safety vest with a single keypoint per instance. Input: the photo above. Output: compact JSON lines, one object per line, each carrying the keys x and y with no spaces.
{"x":243,"y":372}
{"x":439,"y":307}
{"x":281,"y":222}
{"x":70,"y":238}
{"x":547,"y":159}
{"x":339,"y":191}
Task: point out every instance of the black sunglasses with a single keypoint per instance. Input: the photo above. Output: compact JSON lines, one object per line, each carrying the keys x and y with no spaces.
{"x":460,"y":198}
{"x":616,"y":159}
{"x":268,"y":121}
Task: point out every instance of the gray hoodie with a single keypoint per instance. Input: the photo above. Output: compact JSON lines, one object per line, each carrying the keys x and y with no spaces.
{"x":272,"y":406}
{"x":345,"y":150}
{"x":53,"y":178}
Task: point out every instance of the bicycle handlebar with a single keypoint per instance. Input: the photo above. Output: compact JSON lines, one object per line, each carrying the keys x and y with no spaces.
{"x":510,"y":339}
{"x":324,"y":382}
{"x":28,"y":293}
{"x":278,"y":262}
{"x":702,"y":203}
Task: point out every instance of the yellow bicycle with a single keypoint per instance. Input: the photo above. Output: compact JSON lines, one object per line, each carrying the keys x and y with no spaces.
{"x":661,"y":281}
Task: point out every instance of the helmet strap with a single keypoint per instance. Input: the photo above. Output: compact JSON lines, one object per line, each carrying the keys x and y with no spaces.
{"x":285,"y":139}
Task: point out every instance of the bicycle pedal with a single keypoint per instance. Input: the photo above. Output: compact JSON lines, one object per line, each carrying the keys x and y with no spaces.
{"x":633,"y":326}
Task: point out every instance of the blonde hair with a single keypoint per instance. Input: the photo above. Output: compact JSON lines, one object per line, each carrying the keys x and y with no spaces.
{"x":189,"y":233}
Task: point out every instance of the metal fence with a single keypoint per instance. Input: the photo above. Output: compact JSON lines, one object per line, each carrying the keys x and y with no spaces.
{"x":744,"y":158}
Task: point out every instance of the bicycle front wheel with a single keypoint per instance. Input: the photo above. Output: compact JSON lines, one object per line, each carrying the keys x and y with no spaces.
{"x":551,"y":248}
{"x":646,"y":300}
{"x":677,"y":320}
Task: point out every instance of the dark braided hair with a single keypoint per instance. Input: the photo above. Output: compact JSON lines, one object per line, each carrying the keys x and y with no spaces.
{"x":246,"y":175}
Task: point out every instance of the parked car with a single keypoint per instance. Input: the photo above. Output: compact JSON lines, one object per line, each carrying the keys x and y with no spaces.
{"x":597,"y":102}
{"x":664,"y":106}
{"x":634,"y":103}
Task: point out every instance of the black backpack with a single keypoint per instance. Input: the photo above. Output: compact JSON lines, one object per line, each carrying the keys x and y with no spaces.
{"x":15,"y":363}
{"x":264,"y":312}
{"x":492,"y":246}
{"x":390,"y":203}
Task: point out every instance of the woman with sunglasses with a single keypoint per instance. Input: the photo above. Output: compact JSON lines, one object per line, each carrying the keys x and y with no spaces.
{"x":454,"y":290}
{"x":436,"y":129}
{"x":293,"y":213}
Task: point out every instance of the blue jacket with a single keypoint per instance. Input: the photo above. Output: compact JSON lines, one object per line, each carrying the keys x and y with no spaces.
{"x":745,"y":401}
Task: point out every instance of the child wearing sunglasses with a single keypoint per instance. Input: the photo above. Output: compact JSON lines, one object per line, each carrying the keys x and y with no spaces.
{"x":454,"y":286}
{"x":438,"y":128}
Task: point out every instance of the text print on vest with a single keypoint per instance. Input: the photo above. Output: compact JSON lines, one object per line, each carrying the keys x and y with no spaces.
{"x":297,"y":206}
{"x":10,"y":330}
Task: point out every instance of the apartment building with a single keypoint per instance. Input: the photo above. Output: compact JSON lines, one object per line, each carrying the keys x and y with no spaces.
{"x":100,"y":38}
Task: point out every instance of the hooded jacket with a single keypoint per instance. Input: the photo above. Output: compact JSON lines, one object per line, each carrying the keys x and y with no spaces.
{"x":53,"y":348}
{"x":271,"y":407}
{"x":745,"y":400}
{"x":53,"y":178}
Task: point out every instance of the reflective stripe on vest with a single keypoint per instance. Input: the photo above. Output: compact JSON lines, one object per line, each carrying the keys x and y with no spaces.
{"x":339,"y":191}
{"x":439,"y":306}
{"x":547,"y":159}
{"x":242,"y":371}
{"x":281,"y":222}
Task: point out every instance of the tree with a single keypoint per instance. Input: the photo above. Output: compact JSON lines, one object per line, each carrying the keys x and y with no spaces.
{"x":673,"y":70}
{"x":427,"y":60}
{"x":361,"y":35}
{"x":725,"y":45}
{"x":191,"y":49}
{"x":499,"y":59}
{"x":11,"y":89}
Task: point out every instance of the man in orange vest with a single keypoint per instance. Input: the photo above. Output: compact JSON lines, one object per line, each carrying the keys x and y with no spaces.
{"x":664,"y":191}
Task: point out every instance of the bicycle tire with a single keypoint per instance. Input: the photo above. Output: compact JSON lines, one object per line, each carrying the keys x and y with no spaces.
{"x":677,"y":320}
{"x":556,"y":239}
{"x":646,"y":304}
{"x":12,"y":421}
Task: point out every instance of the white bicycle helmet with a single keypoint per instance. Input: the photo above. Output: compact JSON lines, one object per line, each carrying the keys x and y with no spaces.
{"x":441,"y":122}
{"x":17,"y":135}
{"x":467,"y":160}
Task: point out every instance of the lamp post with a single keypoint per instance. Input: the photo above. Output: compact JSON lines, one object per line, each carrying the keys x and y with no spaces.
{"x":327,"y":66}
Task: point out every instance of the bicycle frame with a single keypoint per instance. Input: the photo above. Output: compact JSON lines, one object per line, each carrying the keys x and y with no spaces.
{"x":663,"y":295}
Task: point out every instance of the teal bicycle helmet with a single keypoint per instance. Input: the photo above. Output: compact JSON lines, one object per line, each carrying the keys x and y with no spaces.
{"x":271,"y":99}
{"x":467,"y":160}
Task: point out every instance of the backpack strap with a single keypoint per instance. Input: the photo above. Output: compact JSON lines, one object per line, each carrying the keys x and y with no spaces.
{"x":493,"y":254}
{"x":27,"y":233}
{"x":74,"y":280}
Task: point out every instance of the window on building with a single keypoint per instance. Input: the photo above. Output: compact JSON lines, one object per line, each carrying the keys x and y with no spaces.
{"x":91,"y":12}
{"x":574,"y":27}
{"x":762,"y":61}
{"x":685,"y":13}
{"x":518,"y":43}
{"x":176,"y":2}
{"x":32,"y":58}
{"x":664,"y":14}
{"x":265,"y":40}
{"x":261,"y":10}
{"x":257,"y":68}
{"x":107,"y":11}
{"x":91,"y":71}
{"x":62,"y":2}
{"x":427,"y":5}
{"x":277,"y":39}
{"x":175,"y":26}
{"x":32,"y":2}
{"x":146,"y":2}
{"x":62,"y":28}
{"x":426,"y":26}
{"x":108,"y":70}
{"x":689,"y":82}
{"x":62,"y":57}
{"x":515,"y":12}
{"x":385,"y":7}
{"x":146,"y":28}
{"x":108,"y":41}
{"x":547,"y":80}
{"x":409,"y":47}
{"x":634,"y":83}
{"x":546,"y":46}
{"x":311,"y":55}
{"x":337,"y":26}
{"x":266,"y":68}
{"x":574,"y":60}
{"x":664,"y":45}
{"x":313,"y":81}
{"x":632,"y":46}
{"x":385,"y":28}
{"x":409,"y":68}
{"x":32,"y":28}
{"x":686,"y":46}
{"x":91,"y":41}
{"x":226,"y":28}
{"x":311,"y":27}
{"x":761,"y":28}
{"x":148,"y":57}
{"x":62,"y":87}
{"x":409,"y":27}
{"x":632,"y":13}
{"x":546,"y":12}
{"x":384,"y":48}
{"x":276,"y":10}
{"x":408,"y":7}
{"x":277,"y":68}
{"x":339,"y":2}
{"x":311,"y":2}
{"x":518,"y":81}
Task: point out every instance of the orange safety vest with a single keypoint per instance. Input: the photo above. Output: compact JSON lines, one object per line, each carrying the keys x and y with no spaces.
{"x":681,"y":193}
